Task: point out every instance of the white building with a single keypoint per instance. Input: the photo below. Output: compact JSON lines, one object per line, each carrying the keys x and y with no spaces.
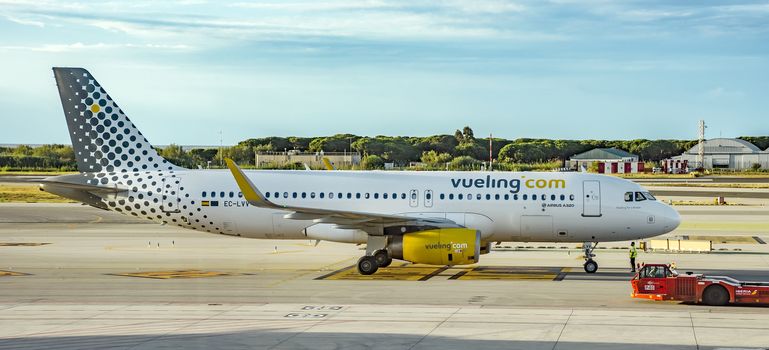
{"x":722,"y":153}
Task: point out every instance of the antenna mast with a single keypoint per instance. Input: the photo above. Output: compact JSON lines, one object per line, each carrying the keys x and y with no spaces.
{"x":701,"y":148}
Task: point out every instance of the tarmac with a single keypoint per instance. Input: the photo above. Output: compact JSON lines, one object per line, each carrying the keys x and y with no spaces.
{"x":75,"y":277}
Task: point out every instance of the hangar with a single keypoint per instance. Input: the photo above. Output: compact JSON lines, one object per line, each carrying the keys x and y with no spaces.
{"x":721,"y":153}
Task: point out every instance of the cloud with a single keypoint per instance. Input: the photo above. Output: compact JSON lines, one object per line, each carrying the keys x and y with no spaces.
{"x":719,"y":92}
{"x":26,"y":22}
{"x":78,"y":46}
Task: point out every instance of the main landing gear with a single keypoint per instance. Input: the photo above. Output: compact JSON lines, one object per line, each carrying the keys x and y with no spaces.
{"x":369,"y":264}
{"x":376,"y":256}
{"x":590,"y":265}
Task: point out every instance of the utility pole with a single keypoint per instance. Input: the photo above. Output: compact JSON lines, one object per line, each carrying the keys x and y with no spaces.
{"x":491,"y":152}
{"x":221,"y":147}
{"x":701,"y":148}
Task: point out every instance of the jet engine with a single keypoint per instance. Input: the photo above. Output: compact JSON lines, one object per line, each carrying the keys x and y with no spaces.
{"x":444,"y":246}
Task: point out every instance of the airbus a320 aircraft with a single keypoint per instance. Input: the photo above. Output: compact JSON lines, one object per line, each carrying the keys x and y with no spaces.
{"x":439,"y":218}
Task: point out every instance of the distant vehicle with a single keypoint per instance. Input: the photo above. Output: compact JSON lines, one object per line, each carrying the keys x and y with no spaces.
{"x":439,"y":218}
{"x":660,"y":282}
{"x":656,"y":170}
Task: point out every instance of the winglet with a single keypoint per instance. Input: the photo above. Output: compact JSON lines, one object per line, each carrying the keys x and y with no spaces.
{"x":250,"y":192}
{"x":327,"y":164}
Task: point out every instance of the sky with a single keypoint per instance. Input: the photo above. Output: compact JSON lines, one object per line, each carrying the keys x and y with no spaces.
{"x":185,"y":70}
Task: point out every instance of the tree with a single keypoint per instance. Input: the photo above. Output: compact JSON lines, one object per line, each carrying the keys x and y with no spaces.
{"x":463,"y":163}
{"x":467,"y":133}
{"x":471,"y":149}
{"x":435,"y":159}
{"x":756,"y":166}
{"x":372,"y":162}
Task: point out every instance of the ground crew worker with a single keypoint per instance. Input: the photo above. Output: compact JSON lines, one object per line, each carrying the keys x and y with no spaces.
{"x":633,"y":255}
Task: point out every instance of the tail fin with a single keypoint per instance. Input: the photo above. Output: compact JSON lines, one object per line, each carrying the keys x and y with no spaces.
{"x":103,"y":138}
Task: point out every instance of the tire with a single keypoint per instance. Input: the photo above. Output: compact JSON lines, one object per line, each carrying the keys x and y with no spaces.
{"x":382,"y":258}
{"x":715,"y":295}
{"x":591,"y":266}
{"x":367,"y":265}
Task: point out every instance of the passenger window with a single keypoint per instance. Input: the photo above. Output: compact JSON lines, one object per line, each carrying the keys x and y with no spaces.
{"x":525,"y":197}
{"x":639,"y":197}
{"x":384,"y":195}
{"x":488,"y":196}
{"x":533,"y":197}
{"x":267,"y":194}
{"x":304,"y":194}
{"x":403,"y":196}
{"x":507,"y":197}
{"x":478,"y":196}
{"x":331,"y":195}
{"x":413,"y":195}
{"x":469,"y":196}
{"x":563,"y":197}
{"x":571,"y":197}
{"x":460,"y":196}
{"x":285,"y":194}
{"x":349,"y":195}
{"x":232,"y":194}
{"x":515,"y":197}
{"x":357,"y":195}
{"x":312,"y":194}
{"x":321,"y":195}
{"x":429,"y":195}
{"x":294,"y":195}
{"x":496,"y":196}
{"x":443,"y":196}
{"x":552,"y":197}
{"x":367,"y":195}
{"x":628,"y":196}
{"x":213,"y":194}
{"x":395,"y":195}
{"x":277,"y":194}
{"x":221,"y":194}
{"x":340,"y":195}
{"x":376,"y":195}
{"x":204,"y":195}
{"x":240,"y":194}
{"x":451,"y":196}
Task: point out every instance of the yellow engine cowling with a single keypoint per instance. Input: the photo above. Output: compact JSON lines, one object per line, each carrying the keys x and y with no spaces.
{"x":446,"y":246}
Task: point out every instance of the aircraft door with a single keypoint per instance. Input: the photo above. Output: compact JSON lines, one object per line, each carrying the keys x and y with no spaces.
{"x":170,"y":194}
{"x":591,"y":198}
{"x":413,"y":198}
{"x":428,"y":198}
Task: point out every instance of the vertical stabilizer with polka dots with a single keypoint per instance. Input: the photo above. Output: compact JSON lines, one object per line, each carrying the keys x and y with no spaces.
{"x":103,"y":138}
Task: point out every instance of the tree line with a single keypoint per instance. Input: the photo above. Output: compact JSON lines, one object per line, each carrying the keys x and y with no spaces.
{"x":462,"y":150}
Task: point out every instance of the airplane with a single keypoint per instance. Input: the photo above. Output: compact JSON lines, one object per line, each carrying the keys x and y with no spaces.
{"x":426,"y":217}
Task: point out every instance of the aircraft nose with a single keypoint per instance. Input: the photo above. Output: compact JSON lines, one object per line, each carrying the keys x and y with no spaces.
{"x":672,"y":218}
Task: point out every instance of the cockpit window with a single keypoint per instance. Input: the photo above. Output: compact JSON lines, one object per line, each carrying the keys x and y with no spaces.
{"x":649,"y":196}
{"x":628,"y":196}
{"x":639,"y":197}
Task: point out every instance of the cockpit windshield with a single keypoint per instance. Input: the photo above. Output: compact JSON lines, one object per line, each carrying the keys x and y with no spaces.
{"x":649,"y":196}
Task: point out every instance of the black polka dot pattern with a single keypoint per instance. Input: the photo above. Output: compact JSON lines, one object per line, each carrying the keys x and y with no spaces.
{"x":103,"y":138}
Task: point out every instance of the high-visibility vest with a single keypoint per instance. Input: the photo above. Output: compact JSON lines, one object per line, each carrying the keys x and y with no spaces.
{"x":633,"y":252}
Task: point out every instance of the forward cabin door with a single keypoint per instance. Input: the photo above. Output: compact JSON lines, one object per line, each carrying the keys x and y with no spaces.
{"x":591,"y":198}
{"x":413,"y":198}
{"x":170,"y":194}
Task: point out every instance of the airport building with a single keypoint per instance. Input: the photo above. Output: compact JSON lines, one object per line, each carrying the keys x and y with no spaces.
{"x":720,"y":153}
{"x":313,"y":159}
{"x":608,"y":161}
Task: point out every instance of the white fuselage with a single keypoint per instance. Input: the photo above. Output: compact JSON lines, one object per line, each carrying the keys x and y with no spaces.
{"x":503,"y":206}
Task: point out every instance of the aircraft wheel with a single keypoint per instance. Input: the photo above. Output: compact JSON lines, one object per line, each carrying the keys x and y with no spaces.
{"x":591,"y":266}
{"x":367,"y":265}
{"x":382,"y":258}
{"x":715,"y":295}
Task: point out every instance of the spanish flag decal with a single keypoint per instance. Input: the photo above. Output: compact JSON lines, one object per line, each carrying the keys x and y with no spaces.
{"x":205,"y":203}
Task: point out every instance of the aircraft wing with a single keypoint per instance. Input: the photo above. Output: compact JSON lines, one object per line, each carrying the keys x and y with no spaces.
{"x":343,"y":218}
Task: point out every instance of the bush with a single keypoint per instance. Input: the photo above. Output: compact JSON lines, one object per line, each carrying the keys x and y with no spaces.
{"x":756,"y":166}
{"x":372,"y":162}
{"x":464,"y":163}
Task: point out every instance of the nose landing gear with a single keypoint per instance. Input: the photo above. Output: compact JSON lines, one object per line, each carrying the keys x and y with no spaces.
{"x":590,"y":265}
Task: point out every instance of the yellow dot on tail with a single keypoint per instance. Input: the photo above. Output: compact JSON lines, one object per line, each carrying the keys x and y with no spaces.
{"x":95,"y":108}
